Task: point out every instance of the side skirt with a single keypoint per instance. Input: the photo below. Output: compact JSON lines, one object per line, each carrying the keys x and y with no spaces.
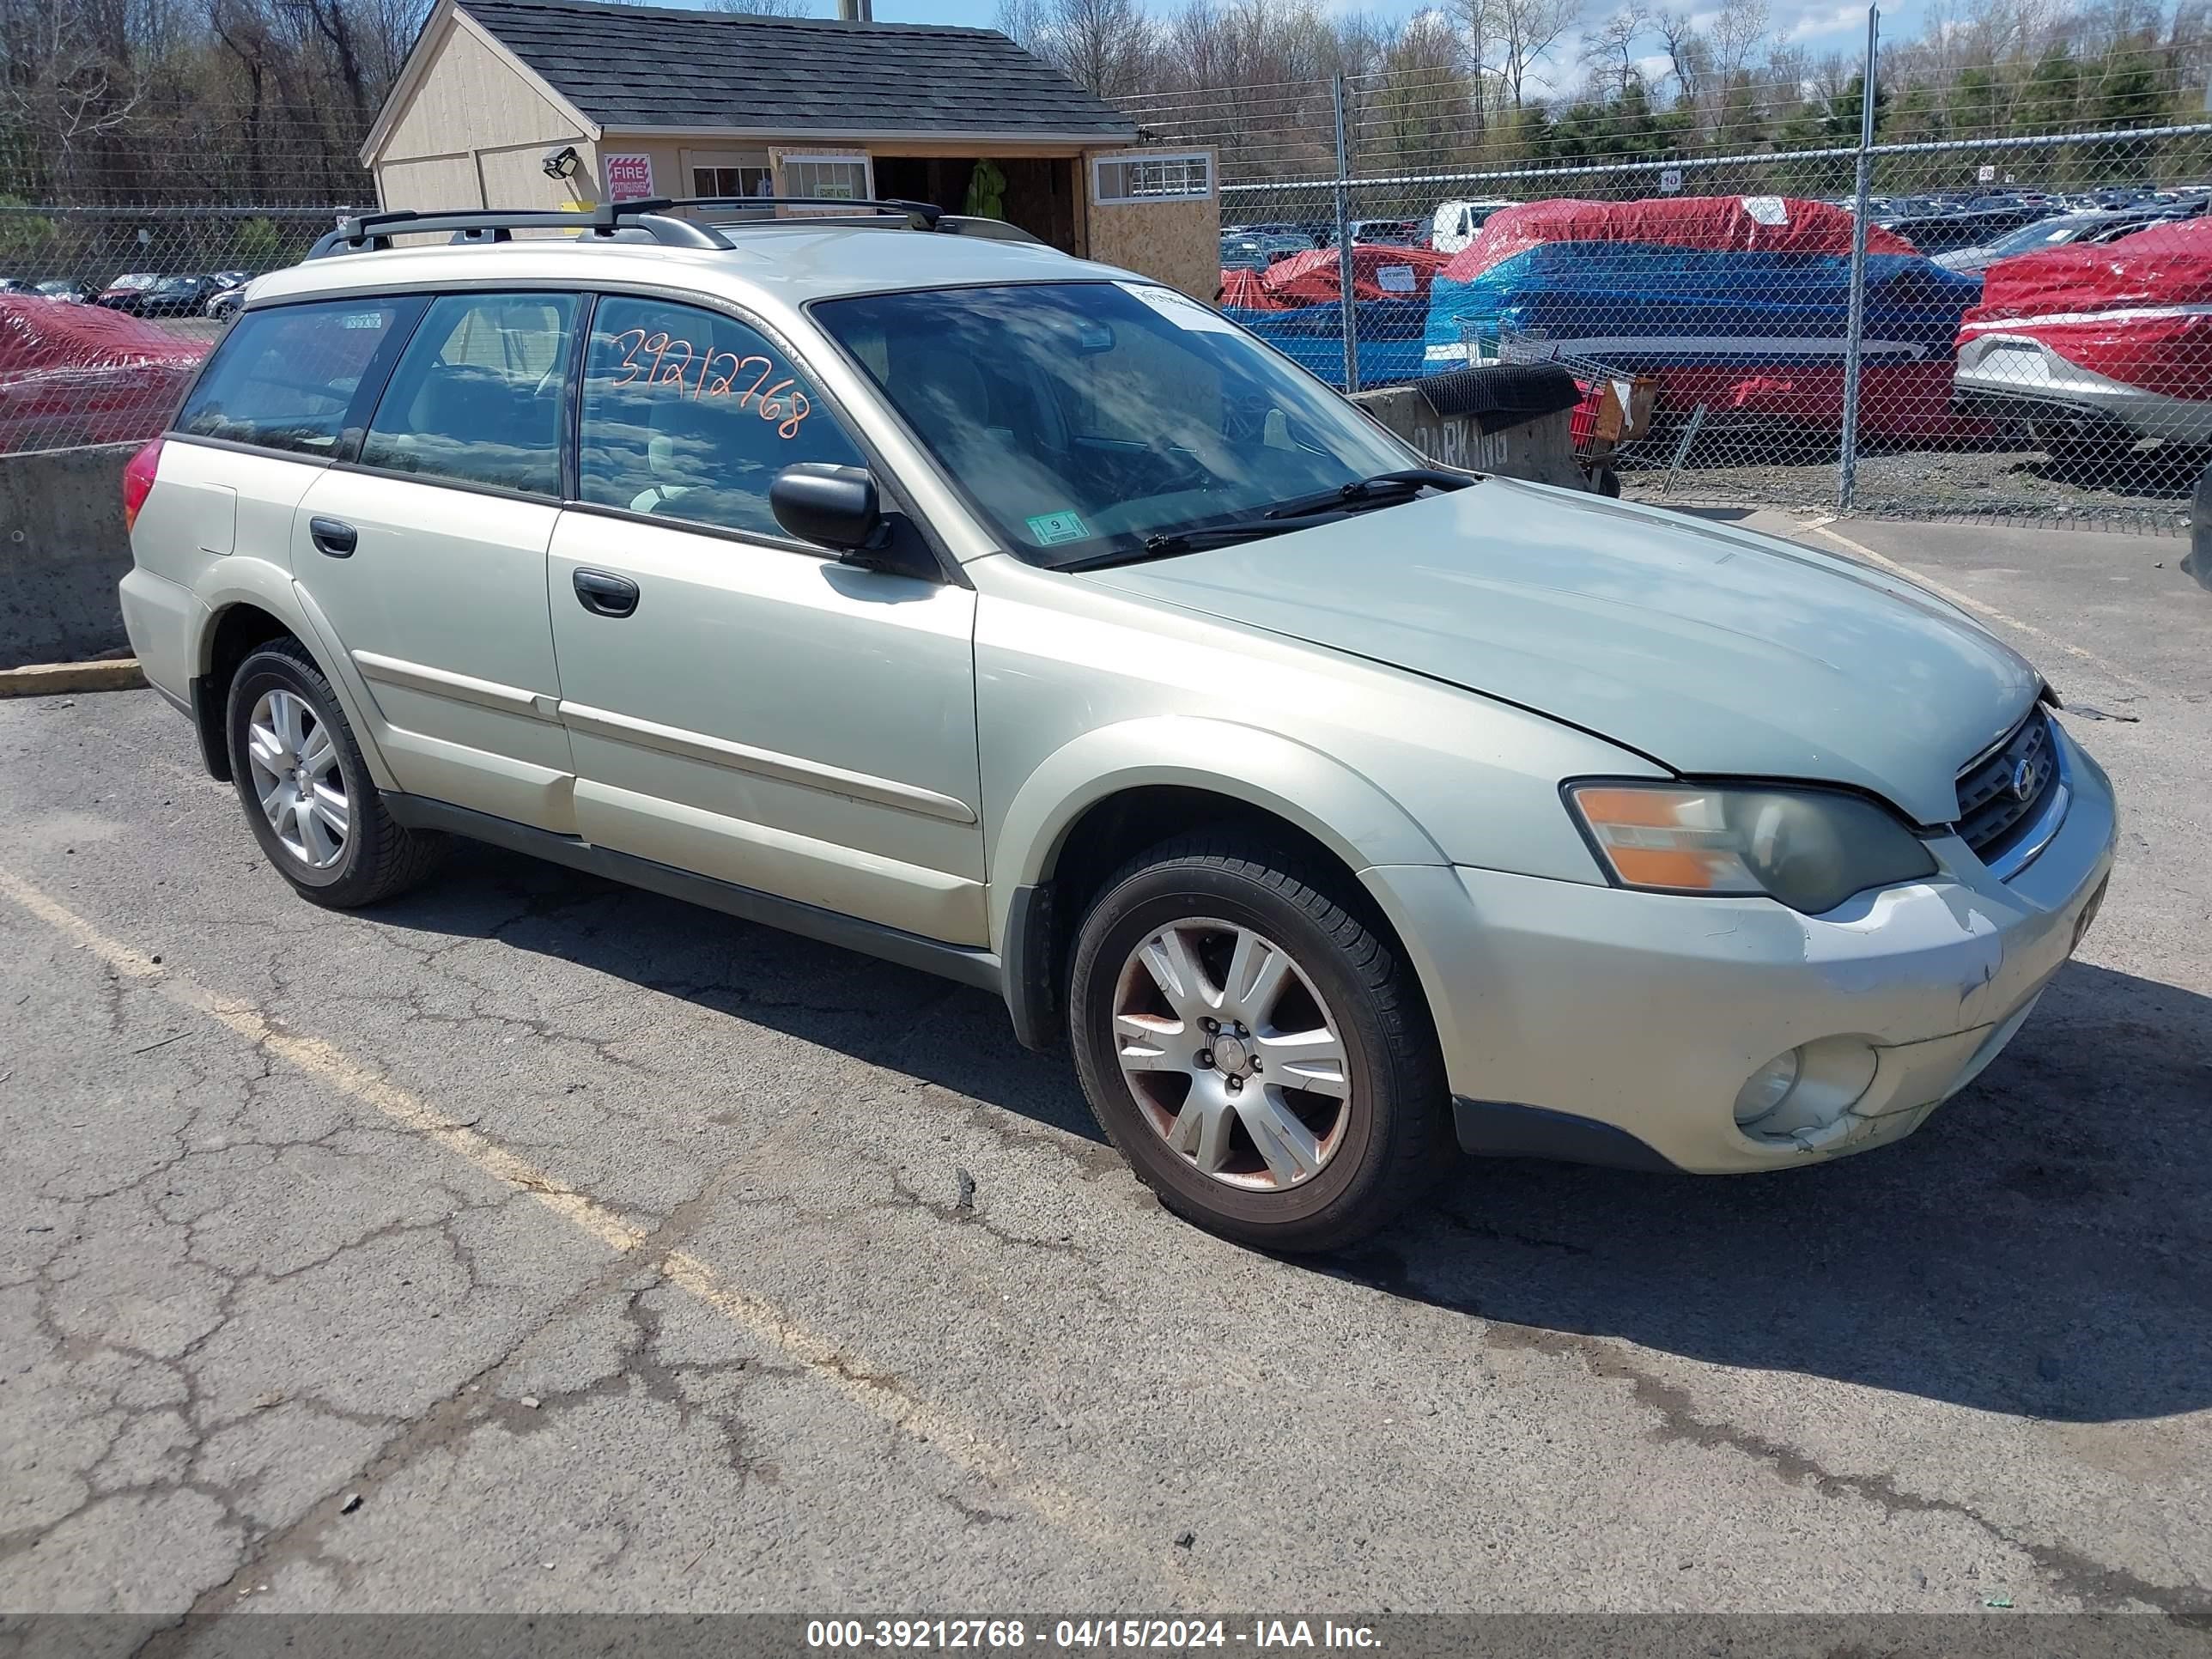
{"x":957,"y":962}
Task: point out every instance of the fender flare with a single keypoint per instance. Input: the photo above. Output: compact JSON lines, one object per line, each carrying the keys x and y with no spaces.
{"x":267,"y":587}
{"x":1345,"y":812}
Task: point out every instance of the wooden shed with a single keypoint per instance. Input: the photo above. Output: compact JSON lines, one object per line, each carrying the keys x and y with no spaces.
{"x":547,"y":103}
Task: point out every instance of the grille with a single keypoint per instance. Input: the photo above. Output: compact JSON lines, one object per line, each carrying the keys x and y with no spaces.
{"x":1999,"y":794}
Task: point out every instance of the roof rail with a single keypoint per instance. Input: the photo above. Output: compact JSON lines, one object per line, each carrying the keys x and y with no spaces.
{"x":928,"y":212}
{"x":373,"y":231}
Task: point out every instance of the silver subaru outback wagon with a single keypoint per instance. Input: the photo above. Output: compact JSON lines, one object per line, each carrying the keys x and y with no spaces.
{"x":1017,"y":618}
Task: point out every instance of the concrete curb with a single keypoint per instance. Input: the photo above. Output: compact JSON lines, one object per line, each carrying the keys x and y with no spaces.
{"x":48,"y":679}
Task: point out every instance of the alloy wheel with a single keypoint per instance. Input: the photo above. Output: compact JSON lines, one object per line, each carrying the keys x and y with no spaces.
{"x":294,"y":758}
{"x":1238,"y":1063}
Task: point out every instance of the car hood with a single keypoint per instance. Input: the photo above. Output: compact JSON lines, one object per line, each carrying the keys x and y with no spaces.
{"x":1711,"y":650}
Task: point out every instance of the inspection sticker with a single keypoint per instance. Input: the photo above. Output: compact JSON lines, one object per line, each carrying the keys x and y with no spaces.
{"x":1051,"y":529}
{"x":1178,"y":308}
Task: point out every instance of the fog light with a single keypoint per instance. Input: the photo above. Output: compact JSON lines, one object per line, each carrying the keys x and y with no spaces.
{"x":1766,"y":1088}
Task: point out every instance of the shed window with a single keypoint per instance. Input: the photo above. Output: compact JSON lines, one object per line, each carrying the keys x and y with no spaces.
{"x":1187,"y":177}
{"x":733,"y":182}
{"x":840,"y":178}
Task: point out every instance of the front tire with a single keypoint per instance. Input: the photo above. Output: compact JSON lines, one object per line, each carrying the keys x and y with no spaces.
{"x":1255,"y":1048}
{"x":306,"y":791}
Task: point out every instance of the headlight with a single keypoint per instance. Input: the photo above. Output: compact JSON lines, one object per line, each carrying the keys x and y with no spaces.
{"x":1812,"y":849}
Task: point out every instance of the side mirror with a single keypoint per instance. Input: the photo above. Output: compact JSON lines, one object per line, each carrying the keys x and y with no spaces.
{"x":834,"y":507}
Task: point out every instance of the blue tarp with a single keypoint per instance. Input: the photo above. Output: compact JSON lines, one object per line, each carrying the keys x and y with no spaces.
{"x":1389,"y":333}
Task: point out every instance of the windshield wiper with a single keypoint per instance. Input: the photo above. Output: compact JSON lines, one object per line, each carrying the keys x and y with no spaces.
{"x":1172,"y":542}
{"x":1383,"y":488}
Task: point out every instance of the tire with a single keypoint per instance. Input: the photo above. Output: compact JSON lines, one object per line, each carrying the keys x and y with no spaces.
{"x":375,"y":857}
{"x":1376,"y":1134}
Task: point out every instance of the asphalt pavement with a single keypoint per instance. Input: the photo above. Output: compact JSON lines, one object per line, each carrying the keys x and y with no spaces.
{"x":533,"y":1244}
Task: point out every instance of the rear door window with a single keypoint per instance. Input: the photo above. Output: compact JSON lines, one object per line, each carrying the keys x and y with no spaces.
{"x":290,"y":377}
{"x":477,"y":399}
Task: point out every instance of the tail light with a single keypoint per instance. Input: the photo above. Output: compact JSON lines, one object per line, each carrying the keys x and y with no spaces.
{"x":138,"y":482}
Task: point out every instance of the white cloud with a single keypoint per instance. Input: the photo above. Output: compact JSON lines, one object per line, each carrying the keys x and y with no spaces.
{"x":1832,"y":20}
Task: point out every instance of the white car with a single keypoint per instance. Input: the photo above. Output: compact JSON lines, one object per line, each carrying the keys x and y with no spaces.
{"x":1454,"y":224}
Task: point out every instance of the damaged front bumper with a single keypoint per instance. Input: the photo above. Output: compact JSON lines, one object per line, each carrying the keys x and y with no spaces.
{"x":1610,"y":1026}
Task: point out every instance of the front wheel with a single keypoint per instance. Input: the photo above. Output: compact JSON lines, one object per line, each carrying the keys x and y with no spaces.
{"x":1255,"y":1048}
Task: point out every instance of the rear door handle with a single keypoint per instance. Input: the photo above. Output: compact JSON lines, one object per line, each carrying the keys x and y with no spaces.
{"x":605,"y":595}
{"x":334,"y":537}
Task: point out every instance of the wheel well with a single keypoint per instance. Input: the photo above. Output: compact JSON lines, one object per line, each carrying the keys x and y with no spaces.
{"x":1111,"y":832}
{"x":239,"y":630}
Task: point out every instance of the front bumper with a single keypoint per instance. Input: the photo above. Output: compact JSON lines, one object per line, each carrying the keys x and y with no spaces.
{"x":1610,"y":1026}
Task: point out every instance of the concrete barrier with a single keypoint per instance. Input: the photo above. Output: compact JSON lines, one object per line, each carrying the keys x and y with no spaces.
{"x":2197,"y":561}
{"x":62,"y":550}
{"x":1542,"y":450}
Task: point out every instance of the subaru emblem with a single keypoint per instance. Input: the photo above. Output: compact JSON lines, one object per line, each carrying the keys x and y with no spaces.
{"x":2023,"y":780}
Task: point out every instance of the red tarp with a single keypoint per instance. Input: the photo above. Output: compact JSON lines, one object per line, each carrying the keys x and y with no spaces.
{"x":1723,"y":224}
{"x":79,"y":374}
{"x":2138,"y":311}
{"x":1311,"y":278}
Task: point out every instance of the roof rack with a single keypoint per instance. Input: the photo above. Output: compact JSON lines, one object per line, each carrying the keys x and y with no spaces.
{"x":928,"y":212}
{"x":370,"y":232}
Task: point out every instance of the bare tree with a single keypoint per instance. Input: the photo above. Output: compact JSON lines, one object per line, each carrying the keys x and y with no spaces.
{"x":1517,"y":35}
{"x":766,"y":8}
{"x":1103,"y":46}
{"x":1611,"y":45}
{"x":1689,"y":56}
{"x":1735,"y":35}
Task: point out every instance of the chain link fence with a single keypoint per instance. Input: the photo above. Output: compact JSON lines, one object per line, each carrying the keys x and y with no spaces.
{"x":2024,"y":330}
{"x":105,"y":311}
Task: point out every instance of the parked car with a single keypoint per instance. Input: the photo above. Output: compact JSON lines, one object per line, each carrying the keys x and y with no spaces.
{"x":15,"y":285}
{"x":1328,"y":804}
{"x":224,"y":302}
{"x":2091,"y":229}
{"x":222,"y":279}
{"x":1390,"y":233}
{"x":67,"y":288}
{"x":1256,"y":251}
{"x":175,"y":296}
{"x":1454,"y":224}
{"x":2094,"y":348}
{"x":1963,"y":227}
{"x":128,"y":290}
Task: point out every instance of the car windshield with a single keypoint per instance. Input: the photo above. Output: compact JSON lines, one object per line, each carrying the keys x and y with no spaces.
{"x":1083,"y":419}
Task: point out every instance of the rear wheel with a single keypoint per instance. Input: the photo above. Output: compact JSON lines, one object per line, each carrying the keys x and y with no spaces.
{"x":1254,"y":1047}
{"x":306,"y":788}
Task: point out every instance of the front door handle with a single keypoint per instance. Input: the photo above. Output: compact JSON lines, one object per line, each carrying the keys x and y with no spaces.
{"x":334,"y":537}
{"x":603,"y":595}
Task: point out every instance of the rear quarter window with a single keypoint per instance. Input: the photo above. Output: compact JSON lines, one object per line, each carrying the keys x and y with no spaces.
{"x":290,"y":378}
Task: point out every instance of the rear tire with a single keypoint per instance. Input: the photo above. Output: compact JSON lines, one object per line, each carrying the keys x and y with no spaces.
{"x":306,"y":791}
{"x":1196,"y":1046}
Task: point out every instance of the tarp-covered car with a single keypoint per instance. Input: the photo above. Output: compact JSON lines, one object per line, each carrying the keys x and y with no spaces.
{"x":2087,"y":344}
{"x":81,"y":375}
{"x":1297,"y":306}
{"x":1734,"y":302}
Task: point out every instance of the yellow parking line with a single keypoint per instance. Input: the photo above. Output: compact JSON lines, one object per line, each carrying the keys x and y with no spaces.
{"x":849,"y":1374}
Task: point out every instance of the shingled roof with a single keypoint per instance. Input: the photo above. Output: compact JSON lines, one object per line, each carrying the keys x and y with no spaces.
{"x":627,"y":67}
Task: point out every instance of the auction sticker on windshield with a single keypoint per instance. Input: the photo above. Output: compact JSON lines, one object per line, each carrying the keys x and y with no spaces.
{"x":1051,"y":529}
{"x":1179,"y":308}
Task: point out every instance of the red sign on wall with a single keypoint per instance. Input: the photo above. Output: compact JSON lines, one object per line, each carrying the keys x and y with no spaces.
{"x":629,"y":178}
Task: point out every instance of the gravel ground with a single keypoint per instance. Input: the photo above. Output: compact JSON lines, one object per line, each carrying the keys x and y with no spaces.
{"x":2145,"y":491}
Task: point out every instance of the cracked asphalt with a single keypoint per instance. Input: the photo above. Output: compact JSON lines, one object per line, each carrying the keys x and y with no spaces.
{"x":533,"y":1244}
